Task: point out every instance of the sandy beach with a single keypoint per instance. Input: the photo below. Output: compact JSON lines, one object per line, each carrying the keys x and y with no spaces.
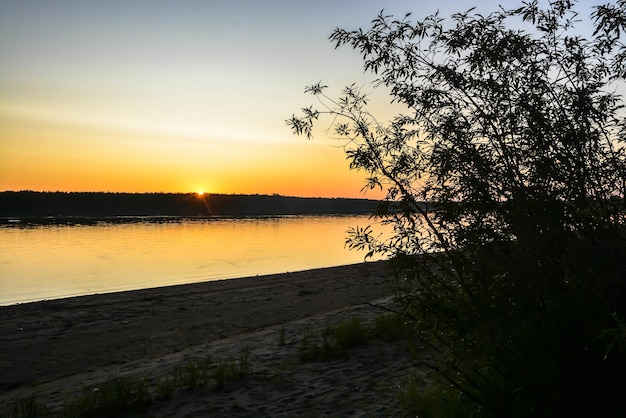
{"x":59,"y":347}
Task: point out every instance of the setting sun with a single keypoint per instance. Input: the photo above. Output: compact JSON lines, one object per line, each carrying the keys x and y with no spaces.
{"x":200,"y":193}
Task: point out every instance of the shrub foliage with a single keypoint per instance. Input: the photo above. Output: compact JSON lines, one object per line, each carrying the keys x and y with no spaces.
{"x":505,"y":177}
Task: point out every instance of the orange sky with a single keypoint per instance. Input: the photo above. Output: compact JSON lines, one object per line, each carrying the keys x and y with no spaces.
{"x":52,"y":155}
{"x":160,"y":96}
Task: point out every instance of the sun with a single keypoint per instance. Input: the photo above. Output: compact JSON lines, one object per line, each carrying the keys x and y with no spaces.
{"x":200,"y":193}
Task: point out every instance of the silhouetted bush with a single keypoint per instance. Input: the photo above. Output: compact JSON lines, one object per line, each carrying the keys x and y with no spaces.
{"x":514,"y":136}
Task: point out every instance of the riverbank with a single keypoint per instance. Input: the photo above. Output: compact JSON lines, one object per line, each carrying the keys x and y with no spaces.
{"x":60,"y":346}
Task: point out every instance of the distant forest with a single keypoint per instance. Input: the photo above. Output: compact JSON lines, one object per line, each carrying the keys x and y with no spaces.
{"x":29,"y":204}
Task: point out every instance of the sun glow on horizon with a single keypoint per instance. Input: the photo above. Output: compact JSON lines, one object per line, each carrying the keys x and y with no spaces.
{"x":109,"y":116}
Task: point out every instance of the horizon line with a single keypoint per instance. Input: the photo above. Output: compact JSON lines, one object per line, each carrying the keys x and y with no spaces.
{"x":197,"y":193}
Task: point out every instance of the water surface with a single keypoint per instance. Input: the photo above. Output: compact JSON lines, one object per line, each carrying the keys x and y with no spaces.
{"x":53,"y":261}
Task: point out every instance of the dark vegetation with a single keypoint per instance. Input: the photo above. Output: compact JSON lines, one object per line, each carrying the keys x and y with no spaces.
{"x":28,"y":204}
{"x":513,"y":127}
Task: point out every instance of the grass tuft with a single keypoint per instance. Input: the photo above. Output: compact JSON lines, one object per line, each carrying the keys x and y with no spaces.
{"x":391,"y":326}
{"x":166,"y":386}
{"x":110,"y":398}
{"x":333,"y":342}
{"x":227,"y":371}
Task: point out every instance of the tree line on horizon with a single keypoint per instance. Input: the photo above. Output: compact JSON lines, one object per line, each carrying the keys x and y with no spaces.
{"x":31,"y":204}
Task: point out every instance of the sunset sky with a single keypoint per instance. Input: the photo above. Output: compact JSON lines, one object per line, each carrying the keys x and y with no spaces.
{"x":178,"y":96}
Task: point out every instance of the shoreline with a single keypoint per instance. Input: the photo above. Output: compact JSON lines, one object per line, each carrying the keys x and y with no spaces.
{"x":60,"y":345}
{"x":242,"y":280}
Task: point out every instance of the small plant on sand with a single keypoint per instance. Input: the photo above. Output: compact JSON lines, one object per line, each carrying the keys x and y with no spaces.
{"x":189,"y":375}
{"x":226,"y":371}
{"x":391,"y":326}
{"x":112,"y":397}
{"x":204,"y":367}
{"x":192,"y":373}
{"x":309,"y":347}
{"x":166,"y":386}
{"x":351,"y":333}
{"x":241,"y":368}
{"x":220,"y":375}
{"x":333,"y":342}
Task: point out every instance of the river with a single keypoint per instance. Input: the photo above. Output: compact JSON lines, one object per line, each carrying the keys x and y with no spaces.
{"x":54,"y":261}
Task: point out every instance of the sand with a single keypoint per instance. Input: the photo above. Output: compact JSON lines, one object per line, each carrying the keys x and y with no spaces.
{"x":59,"y":347}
